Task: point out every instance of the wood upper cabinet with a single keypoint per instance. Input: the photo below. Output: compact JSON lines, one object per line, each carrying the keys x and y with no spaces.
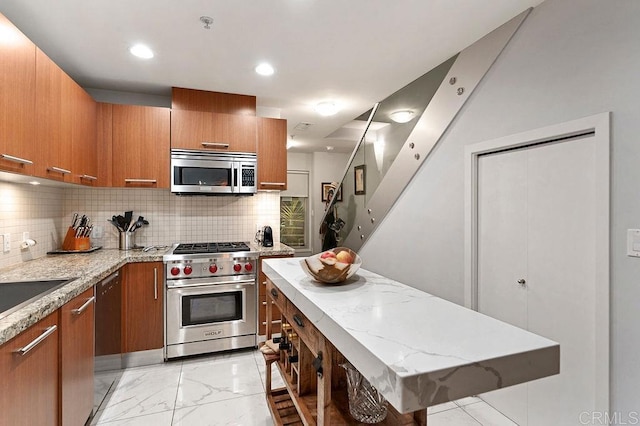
{"x":141,"y":144}
{"x":104,"y":142}
{"x":272,"y":153}
{"x":201,"y":100}
{"x":17,"y":100}
{"x":84,"y":146}
{"x":54,"y":120}
{"x":76,"y":359}
{"x":213,"y":131}
{"x":142,"y":298}
{"x":30,"y":396}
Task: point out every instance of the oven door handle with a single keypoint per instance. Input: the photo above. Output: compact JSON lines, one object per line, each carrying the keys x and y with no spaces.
{"x":209,"y":283}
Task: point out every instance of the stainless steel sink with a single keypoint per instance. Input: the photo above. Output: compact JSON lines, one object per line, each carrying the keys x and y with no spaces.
{"x":17,"y":294}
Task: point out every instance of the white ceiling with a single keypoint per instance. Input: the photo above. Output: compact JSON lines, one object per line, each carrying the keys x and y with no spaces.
{"x":353,"y":52}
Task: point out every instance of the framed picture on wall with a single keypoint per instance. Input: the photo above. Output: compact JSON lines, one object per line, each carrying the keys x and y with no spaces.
{"x":327,"y":192}
{"x":359,"y":178}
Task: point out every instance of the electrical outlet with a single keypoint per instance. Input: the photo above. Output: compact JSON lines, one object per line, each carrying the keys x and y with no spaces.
{"x":6,"y":246}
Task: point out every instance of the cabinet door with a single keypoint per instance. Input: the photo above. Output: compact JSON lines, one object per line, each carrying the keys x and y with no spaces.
{"x":213,"y":131}
{"x":17,"y":100}
{"x":143,"y":321}
{"x":104,"y":141}
{"x":141,"y":141}
{"x":84,"y":137}
{"x":272,"y":153}
{"x":30,"y":396}
{"x":76,"y":362}
{"x":54,"y":117}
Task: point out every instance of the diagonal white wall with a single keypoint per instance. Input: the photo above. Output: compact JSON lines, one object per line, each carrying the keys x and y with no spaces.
{"x":570,"y":59}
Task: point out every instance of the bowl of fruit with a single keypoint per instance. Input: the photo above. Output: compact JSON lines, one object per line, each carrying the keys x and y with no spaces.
{"x":332,"y":266}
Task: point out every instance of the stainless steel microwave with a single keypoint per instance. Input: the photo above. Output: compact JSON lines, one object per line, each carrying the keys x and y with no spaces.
{"x":213,"y":173}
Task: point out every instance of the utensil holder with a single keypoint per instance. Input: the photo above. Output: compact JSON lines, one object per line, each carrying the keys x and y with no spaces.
{"x":71,"y":243}
{"x":126,"y":241}
{"x":366,"y":405}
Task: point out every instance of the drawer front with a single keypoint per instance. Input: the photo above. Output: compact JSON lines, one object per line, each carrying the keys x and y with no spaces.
{"x":274,"y":293}
{"x":303,"y":327}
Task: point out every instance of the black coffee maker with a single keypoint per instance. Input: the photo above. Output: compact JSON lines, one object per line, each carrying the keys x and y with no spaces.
{"x":267,"y":236}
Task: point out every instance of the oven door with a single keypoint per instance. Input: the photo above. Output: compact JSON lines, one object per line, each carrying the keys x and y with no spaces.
{"x":203,"y":176}
{"x":204,"y":310}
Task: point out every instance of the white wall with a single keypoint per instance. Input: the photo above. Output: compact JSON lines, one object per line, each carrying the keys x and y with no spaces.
{"x":570,"y":59}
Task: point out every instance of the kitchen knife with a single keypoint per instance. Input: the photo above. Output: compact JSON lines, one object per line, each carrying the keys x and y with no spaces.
{"x":75,"y":219}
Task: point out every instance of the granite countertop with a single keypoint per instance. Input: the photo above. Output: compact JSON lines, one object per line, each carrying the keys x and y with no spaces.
{"x":88,"y":269}
{"x":278,"y":249}
{"x":416,"y":349}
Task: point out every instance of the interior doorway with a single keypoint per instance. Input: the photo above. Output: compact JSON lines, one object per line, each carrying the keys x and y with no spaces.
{"x":538,"y":257}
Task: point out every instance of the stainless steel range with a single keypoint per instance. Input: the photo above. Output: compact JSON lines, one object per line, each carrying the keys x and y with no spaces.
{"x":211,"y":298}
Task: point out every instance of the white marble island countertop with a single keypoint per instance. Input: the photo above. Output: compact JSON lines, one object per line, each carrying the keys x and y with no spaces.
{"x":418,"y":350}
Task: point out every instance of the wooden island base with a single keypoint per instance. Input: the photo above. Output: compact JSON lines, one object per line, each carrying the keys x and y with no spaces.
{"x":312,"y":397}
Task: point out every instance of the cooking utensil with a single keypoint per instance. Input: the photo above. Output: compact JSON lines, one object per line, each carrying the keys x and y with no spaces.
{"x":127,"y":217}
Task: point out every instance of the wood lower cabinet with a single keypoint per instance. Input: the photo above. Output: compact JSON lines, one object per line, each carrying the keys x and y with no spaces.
{"x":262,"y":300}
{"x":213,"y":131}
{"x":31,"y":389}
{"x":76,"y":359}
{"x":141,"y":141}
{"x":142,"y":300}
{"x":272,"y":153}
{"x":17,"y":100}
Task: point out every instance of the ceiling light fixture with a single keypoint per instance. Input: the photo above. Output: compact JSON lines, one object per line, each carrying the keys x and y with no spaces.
{"x":141,"y":51}
{"x":402,"y":116}
{"x":329,"y":148}
{"x":207,"y":21}
{"x":326,"y":108}
{"x":265,"y":69}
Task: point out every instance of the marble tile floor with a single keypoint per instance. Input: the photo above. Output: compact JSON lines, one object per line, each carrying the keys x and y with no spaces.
{"x":227,"y":389}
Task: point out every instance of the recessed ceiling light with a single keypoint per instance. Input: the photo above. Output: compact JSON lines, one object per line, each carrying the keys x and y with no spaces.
{"x":265,"y":69}
{"x":402,"y":116}
{"x":329,"y":148}
{"x":141,"y":51}
{"x":326,"y":108}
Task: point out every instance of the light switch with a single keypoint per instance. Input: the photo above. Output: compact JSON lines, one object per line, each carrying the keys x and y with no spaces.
{"x":633,"y":242}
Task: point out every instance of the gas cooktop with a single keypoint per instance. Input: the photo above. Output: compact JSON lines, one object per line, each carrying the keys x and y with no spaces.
{"x":197,"y":248}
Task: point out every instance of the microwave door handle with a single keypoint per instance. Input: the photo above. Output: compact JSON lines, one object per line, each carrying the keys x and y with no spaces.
{"x":234,"y":177}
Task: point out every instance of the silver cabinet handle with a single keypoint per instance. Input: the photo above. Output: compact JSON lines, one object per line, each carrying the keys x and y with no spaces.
{"x":272,"y":322}
{"x":273,"y":183}
{"x":59,"y":170}
{"x":140,"y":180}
{"x":84,"y":306}
{"x":215,"y":145}
{"x":155,"y":283}
{"x":35,"y":342}
{"x":16,"y":159}
{"x":88,"y":177}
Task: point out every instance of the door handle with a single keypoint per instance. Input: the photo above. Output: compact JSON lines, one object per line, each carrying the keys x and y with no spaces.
{"x":84,"y":307}
{"x":155,"y":283}
{"x":49,"y":331}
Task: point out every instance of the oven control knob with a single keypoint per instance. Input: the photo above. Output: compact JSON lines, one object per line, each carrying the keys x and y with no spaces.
{"x":188,"y":270}
{"x":175,"y":270}
{"x":213,"y":269}
{"x":237,"y":267}
{"x":248,"y":267}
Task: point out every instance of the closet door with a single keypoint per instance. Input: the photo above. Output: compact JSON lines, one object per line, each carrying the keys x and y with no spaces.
{"x":536,"y":257}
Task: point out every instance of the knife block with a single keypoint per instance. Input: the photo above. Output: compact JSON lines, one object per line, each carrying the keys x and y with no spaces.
{"x":71,"y":243}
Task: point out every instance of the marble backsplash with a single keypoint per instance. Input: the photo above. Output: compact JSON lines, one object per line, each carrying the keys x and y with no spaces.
{"x":46,"y":212}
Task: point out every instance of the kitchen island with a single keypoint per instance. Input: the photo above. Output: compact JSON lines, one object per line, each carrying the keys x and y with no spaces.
{"x":416,"y":349}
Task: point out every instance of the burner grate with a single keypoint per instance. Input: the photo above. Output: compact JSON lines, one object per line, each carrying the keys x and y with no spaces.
{"x":195,"y":248}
